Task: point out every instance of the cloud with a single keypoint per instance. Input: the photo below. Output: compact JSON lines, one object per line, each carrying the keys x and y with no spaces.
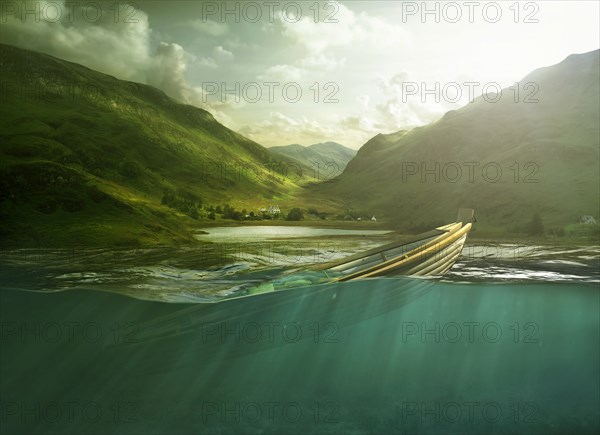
{"x":222,"y":54}
{"x":385,"y":111}
{"x":316,"y":37}
{"x":207,"y":62}
{"x":322,"y":62}
{"x":372,"y":114}
{"x":208,"y":27}
{"x":118,"y":47}
{"x":282,"y":73}
{"x":350,"y":29}
{"x":280,"y":129}
{"x":132,"y":51}
{"x":401,"y":108}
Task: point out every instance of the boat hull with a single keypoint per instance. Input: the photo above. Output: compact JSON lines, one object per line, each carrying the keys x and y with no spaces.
{"x":251,"y":324}
{"x":433,"y":256}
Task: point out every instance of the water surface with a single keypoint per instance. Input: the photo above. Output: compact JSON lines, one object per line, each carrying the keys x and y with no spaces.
{"x":262,"y":232}
{"x":507,"y":342}
{"x":228,"y":267}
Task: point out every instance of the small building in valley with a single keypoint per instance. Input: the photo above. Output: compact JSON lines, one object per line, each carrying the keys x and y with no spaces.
{"x":587,"y":219}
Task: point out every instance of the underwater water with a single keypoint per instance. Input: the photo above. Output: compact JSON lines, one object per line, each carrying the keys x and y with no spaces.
{"x":508,"y":342}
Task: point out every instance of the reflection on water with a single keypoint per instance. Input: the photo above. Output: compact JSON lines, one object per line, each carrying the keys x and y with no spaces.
{"x":262,"y":232}
{"x":527,"y":263}
{"x":214,"y":271}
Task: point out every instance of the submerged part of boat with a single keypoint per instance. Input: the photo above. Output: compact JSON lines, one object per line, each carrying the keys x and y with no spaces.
{"x":427,"y":254}
{"x":336,"y":294}
{"x":245,"y":325}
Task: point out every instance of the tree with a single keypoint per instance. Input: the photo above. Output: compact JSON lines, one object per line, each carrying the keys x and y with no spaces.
{"x":228,"y":211}
{"x":536,"y":226}
{"x":295,"y":214}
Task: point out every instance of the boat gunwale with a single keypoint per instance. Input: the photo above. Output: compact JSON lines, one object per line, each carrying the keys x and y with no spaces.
{"x":434,"y":245}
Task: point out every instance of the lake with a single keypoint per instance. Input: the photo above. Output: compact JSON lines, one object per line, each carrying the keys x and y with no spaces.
{"x":129,"y":340}
{"x":272,"y":232}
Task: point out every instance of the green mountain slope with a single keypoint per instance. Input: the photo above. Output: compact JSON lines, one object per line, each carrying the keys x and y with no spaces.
{"x":508,"y":159}
{"x":329,"y":158}
{"x":87,"y":158}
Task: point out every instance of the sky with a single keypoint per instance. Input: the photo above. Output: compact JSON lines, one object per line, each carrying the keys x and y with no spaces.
{"x":282,"y":72}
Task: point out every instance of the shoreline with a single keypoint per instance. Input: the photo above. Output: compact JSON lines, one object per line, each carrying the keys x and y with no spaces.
{"x":489,"y":238}
{"x":197,"y":231}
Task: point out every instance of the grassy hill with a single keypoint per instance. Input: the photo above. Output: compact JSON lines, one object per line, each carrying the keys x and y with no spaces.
{"x":329,"y":158}
{"x":92,"y":160}
{"x":508,"y":160}
{"x":87,"y":158}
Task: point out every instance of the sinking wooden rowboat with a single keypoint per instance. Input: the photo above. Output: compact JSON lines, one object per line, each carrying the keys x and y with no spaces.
{"x":318,"y":296}
{"x":427,"y":254}
{"x":430,"y":253}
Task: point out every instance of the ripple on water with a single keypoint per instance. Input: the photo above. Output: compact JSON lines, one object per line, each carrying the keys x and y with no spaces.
{"x":187,"y":275}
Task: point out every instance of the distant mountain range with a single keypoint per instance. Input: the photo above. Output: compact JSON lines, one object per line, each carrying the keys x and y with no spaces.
{"x":87,"y":158}
{"x":330,"y":158}
{"x":535,"y":151}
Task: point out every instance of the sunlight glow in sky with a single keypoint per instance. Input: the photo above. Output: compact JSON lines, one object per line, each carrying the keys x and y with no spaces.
{"x":354,"y":67}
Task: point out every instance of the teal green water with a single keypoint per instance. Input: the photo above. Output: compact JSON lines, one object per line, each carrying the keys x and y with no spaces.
{"x":381,"y":356}
{"x":506,"y":343}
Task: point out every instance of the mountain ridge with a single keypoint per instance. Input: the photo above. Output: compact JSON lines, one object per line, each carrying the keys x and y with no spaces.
{"x":328,"y":155}
{"x":547,"y":152}
{"x":123,"y":146}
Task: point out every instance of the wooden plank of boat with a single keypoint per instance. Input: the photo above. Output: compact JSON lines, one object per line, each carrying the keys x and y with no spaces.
{"x":377,"y":258}
{"x":432,"y":250}
{"x":435,"y":245}
{"x":360,"y":255}
{"x":443,"y":260}
{"x":443,"y":268}
{"x":429,"y":261}
{"x":439,"y":259}
{"x":382,"y":256}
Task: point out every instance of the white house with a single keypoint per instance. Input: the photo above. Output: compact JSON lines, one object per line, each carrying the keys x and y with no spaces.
{"x":373,"y":219}
{"x":587,"y":219}
{"x":274,"y":209}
